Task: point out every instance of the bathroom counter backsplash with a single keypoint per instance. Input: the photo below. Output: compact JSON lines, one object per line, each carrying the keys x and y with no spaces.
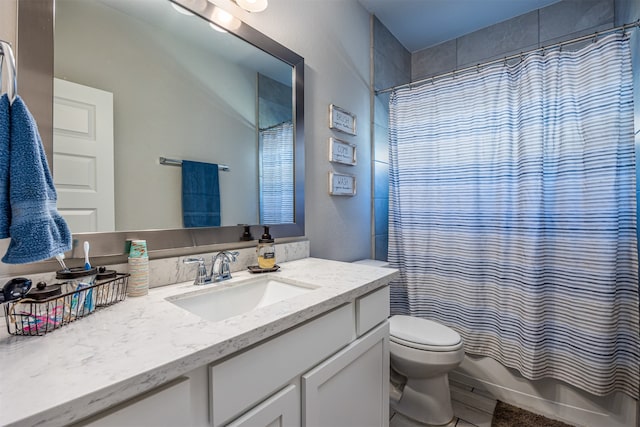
{"x":143,"y":342}
{"x":166,"y":271}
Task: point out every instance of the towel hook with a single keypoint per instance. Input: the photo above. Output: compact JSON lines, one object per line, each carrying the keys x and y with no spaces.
{"x":12,"y":84}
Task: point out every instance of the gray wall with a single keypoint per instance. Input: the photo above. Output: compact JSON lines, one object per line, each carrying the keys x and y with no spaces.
{"x":333,"y":38}
{"x":274,"y":102}
{"x":561,"y":21}
{"x":392,"y":66}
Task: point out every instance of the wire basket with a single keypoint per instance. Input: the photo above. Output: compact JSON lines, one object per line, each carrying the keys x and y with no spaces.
{"x":38,"y":317}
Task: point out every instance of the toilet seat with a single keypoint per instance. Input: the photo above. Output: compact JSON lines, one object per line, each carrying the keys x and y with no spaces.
{"x":423,"y":334}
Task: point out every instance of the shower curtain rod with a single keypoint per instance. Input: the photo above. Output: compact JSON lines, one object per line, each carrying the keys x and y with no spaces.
{"x":520,"y":55}
{"x":276,"y":125}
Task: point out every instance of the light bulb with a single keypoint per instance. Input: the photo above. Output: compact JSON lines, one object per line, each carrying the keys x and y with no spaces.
{"x":253,"y":5}
{"x":215,"y":27}
{"x":181,"y":9}
{"x":224,"y":19}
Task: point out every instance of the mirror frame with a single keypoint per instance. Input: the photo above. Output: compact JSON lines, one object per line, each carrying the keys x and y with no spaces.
{"x":35,"y":83}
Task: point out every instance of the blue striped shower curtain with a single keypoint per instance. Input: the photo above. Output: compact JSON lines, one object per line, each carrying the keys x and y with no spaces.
{"x":513,"y":213}
{"x":276,"y":174}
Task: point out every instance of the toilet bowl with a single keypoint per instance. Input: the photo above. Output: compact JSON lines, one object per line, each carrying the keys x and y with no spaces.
{"x":424,"y":352}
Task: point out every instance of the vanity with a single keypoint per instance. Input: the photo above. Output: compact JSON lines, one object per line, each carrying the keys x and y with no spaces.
{"x":315,"y":358}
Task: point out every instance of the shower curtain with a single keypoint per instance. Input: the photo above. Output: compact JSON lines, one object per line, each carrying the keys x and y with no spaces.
{"x":513,"y":213}
{"x":276,"y":174}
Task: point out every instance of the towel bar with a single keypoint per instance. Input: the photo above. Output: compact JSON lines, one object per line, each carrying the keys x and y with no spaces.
{"x":12,"y":85}
{"x":173,"y":162}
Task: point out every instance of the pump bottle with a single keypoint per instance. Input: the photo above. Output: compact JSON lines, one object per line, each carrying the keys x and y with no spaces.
{"x":266,"y":250}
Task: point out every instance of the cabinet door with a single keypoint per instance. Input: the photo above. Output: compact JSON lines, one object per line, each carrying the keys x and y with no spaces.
{"x":244,"y":380}
{"x":350,"y":388}
{"x":280,"y":410}
{"x":165,"y":406}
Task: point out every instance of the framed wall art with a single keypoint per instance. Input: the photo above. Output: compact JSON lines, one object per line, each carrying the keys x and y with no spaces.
{"x":342,"y":152}
{"x":342,"y":120}
{"x":342,"y":184}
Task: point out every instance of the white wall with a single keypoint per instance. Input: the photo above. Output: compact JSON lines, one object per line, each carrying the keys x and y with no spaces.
{"x":333,"y":38}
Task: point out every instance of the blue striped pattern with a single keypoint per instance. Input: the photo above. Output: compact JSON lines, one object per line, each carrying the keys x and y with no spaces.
{"x":513,"y":214}
{"x":276,"y":174}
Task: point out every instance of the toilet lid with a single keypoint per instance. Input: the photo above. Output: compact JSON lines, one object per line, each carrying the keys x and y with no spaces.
{"x":422,"y":332}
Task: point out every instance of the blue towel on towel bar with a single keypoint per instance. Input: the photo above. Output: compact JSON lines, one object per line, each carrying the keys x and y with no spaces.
{"x":37,"y":230}
{"x":5,"y":207}
{"x":200,"y":194}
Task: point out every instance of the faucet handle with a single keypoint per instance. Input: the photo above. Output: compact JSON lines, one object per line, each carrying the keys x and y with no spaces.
{"x":222,"y":260}
{"x":201,"y":276}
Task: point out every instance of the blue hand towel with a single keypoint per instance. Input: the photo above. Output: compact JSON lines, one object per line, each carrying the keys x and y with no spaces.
{"x":5,"y":207}
{"x":37,"y":230}
{"x":200,"y":194}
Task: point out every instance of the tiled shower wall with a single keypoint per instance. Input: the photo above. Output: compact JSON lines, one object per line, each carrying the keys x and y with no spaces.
{"x":394,"y":65}
{"x":561,"y":21}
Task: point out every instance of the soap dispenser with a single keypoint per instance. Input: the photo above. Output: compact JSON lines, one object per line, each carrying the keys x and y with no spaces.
{"x":266,"y":250}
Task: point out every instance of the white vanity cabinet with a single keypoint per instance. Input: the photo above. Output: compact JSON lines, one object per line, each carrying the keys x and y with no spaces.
{"x":168,"y":405}
{"x":322,"y":373}
{"x":351,"y":388}
{"x":330,"y":371}
{"x":280,"y":410}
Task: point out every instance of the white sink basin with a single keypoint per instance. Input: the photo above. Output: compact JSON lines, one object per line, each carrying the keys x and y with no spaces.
{"x":222,"y":301}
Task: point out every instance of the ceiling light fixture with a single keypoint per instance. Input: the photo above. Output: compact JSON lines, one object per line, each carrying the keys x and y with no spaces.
{"x":215,"y":27}
{"x":223,"y":19}
{"x":181,"y":9}
{"x":253,"y":5}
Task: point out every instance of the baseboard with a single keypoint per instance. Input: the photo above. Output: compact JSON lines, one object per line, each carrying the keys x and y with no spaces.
{"x":550,"y":398}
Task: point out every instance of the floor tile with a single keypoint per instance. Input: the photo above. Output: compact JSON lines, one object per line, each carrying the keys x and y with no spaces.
{"x":459,"y":385}
{"x":471,"y":415}
{"x":473,"y":399}
{"x":400,"y":420}
{"x":483,"y":392}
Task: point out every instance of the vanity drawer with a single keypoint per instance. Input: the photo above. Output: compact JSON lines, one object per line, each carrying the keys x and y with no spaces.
{"x":372,"y":309}
{"x":244,"y":380}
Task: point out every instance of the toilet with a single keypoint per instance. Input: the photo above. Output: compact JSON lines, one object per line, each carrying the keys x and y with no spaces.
{"x":424,"y":352}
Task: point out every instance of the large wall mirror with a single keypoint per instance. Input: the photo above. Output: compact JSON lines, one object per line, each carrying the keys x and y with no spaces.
{"x":139,"y":87}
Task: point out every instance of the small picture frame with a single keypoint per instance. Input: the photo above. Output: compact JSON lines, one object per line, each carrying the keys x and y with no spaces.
{"x":342,"y":184}
{"x":342,"y":120}
{"x":342,"y":152}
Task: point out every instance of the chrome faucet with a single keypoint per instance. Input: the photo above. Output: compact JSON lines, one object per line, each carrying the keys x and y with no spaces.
{"x":202,"y":278}
{"x":220,"y":268}
{"x":222,"y":260}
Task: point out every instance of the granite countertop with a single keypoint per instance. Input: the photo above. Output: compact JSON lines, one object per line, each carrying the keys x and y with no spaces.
{"x":140,"y":343}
